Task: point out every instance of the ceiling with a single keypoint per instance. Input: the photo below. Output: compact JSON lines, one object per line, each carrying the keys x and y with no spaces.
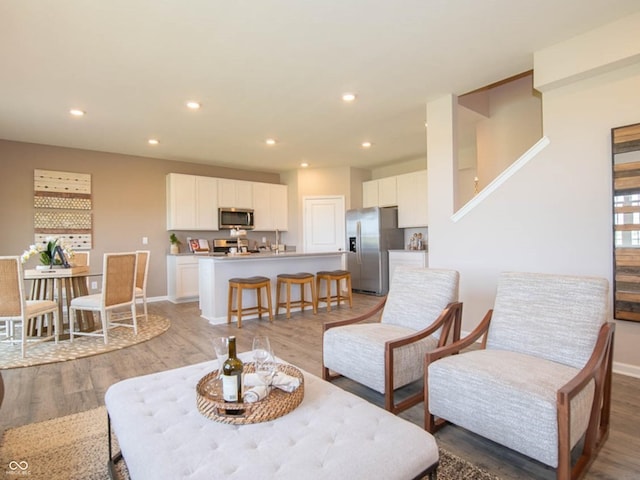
{"x":263,"y":69}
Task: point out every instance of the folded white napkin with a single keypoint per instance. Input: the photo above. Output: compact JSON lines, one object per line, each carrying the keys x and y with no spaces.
{"x":281,"y":380}
{"x":255,"y":394}
{"x":285,"y":382}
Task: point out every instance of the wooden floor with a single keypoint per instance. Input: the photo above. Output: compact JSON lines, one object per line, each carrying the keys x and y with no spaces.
{"x":34,"y":394}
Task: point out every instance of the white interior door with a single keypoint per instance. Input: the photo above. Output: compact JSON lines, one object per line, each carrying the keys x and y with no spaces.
{"x":323,"y":224}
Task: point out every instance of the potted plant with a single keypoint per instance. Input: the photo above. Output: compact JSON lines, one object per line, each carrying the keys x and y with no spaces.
{"x":175,"y":244}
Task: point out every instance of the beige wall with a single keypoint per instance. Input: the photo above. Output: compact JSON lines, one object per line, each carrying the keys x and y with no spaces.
{"x":553,"y":215}
{"x":128,"y":200}
{"x":314,"y":182}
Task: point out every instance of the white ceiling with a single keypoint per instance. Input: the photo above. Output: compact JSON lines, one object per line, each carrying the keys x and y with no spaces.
{"x":263,"y":68}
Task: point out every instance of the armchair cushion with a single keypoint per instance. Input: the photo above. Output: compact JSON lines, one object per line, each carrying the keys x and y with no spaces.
{"x":514,"y":406}
{"x":556,"y":317}
{"x":418,"y":294}
{"x":364,"y":358}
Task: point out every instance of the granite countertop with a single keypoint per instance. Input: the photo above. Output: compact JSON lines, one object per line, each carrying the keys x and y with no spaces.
{"x":263,"y":256}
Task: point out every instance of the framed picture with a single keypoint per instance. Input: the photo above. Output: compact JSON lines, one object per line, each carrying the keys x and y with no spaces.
{"x":198,"y":245}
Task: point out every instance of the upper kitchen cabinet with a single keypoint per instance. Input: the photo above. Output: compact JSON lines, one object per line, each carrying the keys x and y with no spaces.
{"x":412,"y":199}
{"x":270,"y":207}
{"x":235,"y":193}
{"x":380,"y":193}
{"x":192,"y":202}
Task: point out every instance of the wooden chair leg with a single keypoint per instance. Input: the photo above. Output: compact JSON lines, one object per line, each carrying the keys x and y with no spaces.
{"x":239,"y":307}
{"x":268,"y":287}
{"x":229,"y":304}
{"x":278,"y":288}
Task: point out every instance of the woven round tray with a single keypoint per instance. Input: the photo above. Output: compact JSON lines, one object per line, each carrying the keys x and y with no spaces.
{"x":277,"y":403}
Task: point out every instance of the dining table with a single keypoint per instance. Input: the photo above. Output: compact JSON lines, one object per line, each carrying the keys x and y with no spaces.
{"x":62,"y":285}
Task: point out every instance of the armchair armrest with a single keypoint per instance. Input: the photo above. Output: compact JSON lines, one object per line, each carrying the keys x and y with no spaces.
{"x":450,"y":316}
{"x":370,"y":313}
{"x":598,"y":368}
{"x":458,"y":346}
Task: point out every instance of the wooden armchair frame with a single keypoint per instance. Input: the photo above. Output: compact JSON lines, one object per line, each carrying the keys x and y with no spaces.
{"x":450,"y":320}
{"x":598,"y":368}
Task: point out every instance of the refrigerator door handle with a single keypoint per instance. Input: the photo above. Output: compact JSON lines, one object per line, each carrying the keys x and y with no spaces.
{"x":358,"y":242}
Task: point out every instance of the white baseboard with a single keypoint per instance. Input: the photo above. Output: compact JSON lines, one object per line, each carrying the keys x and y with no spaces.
{"x":626,"y":369}
{"x":157,"y":299}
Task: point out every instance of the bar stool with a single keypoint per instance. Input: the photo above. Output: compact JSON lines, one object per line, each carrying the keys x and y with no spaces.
{"x":253,"y":283}
{"x":338,"y":276}
{"x":301,"y":279}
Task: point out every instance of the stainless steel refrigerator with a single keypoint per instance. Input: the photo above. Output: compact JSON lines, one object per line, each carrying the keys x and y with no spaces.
{"x":371,"y":233}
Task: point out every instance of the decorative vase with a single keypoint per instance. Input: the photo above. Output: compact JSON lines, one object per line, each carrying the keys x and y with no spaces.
{"x":174,"y":249}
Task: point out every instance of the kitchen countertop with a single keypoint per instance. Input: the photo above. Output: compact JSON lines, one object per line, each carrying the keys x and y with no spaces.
{"x":264,"y":256}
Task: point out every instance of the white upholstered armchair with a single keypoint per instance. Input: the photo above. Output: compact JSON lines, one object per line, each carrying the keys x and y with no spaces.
{"x":542,"y":379}
{"x":420,"y":313}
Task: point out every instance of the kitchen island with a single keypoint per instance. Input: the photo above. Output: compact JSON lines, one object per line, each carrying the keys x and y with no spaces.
{"x":215,"y":272}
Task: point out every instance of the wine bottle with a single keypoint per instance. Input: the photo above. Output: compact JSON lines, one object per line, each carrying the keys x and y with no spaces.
{"x":232,"y":378}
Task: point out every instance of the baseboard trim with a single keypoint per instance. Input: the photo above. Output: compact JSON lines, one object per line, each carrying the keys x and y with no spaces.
{"x":626,"y":369}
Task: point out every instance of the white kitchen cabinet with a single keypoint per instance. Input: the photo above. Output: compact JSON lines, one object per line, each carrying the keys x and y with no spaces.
{"x":379,"y":193}
{"x":412,"y":199}
{"x":415,"y":258}
{"x":206,"y":203}
{"x":235,"y":193}
{"x":387,"y":192}
{"x":192,"y":202}
{"x":270,"y":207}
{"x":370,"y":194}
{"x":182,"y":278}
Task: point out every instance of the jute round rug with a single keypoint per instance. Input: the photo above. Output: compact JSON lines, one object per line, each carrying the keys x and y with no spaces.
{"x":76,"y":447}
{"x":49,"y":352}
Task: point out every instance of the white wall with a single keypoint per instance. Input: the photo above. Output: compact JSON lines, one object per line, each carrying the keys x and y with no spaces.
{"x":553,"y":215}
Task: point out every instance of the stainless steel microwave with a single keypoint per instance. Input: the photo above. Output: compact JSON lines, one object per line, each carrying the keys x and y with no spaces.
{"x":241,"y":218}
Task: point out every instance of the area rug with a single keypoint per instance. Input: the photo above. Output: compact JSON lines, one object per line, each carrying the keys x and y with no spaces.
{"x":76,"y":447}
{"x":49,"y":352}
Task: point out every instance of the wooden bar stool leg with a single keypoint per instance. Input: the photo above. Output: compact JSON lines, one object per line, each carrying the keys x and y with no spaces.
{"x":259,"y":301}
{"x":302,"y":289}
{"x":314,"y":296}
{"x":239,"y":311}
{"x":278,"y":287}
{"x":229,"y":304}
{"x":288,"y":299}
{"x":268,"y":287}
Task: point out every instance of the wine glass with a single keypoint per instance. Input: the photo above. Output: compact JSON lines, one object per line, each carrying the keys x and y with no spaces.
{"x":267,"y":369}
{"x":221,"y":347}
{"x":261,"y":349}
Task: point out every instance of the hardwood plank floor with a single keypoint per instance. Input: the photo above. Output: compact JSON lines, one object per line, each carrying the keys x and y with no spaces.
{"x":39,"y":393}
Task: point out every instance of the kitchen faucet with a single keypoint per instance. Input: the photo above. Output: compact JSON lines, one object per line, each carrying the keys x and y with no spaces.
{"x":277,"y":241}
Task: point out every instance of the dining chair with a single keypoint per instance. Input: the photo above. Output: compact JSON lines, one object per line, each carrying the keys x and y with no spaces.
{"x":118,"y":291}
{"x":16,"y":309}
{"x":142,"y":270}
{"x":81,"y":259}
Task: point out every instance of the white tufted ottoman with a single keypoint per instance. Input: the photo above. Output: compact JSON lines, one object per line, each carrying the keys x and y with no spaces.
{"x":331,"y":435}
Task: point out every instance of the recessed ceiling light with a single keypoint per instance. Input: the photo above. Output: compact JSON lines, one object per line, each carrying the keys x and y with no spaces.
{"x":348,"y":97}
{"x":153,"y":141}
{"x":193,"y":105}
{"x":366,"y":144}
{"x":77,"y":112}
{"x":270,"y":141}
{"x":304,"y":164}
